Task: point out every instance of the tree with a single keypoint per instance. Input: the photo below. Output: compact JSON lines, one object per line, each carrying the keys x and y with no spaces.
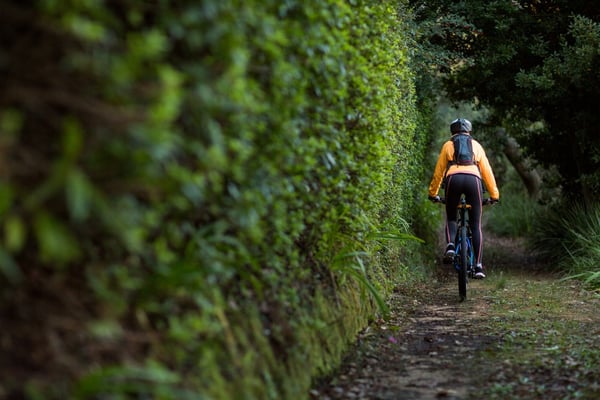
{"x":534,"y":65}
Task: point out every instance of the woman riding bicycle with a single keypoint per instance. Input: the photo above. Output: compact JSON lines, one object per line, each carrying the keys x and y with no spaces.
{"x":463,"y":178}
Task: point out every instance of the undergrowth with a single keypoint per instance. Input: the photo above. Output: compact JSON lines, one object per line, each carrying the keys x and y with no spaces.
{"x":514,"y":216}
{"x":569,"y":235}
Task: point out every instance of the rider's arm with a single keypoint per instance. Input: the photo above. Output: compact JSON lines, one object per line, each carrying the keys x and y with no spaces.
{"x":487,"y":175}
{"x":440,"y":169}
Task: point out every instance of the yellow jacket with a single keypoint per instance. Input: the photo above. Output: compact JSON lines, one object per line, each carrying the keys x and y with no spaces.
{"x":482,"y":169}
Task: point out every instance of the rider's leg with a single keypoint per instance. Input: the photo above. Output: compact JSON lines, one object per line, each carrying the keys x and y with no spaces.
{"x":473,"y":194}
{"x":453,"y":192}
{"x":474,"y":197}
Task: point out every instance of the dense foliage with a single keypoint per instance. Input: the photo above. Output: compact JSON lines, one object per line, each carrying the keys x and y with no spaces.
{"x":534,"y":65}
{"x":190,"y":191}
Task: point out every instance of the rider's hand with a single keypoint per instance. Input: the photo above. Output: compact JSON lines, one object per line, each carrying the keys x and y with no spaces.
{"x":435,"y":199}
{"x":494,"y":201}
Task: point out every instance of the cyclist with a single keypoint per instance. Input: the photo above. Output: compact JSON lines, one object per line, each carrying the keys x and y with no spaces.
{"x":463,"y":179}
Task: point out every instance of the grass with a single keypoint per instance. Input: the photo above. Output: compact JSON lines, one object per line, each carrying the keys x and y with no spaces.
{"x":547,"y":338}
{"x":546,"y":328}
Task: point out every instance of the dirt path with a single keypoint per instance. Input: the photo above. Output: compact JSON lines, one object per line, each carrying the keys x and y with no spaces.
{"x":521,"y":334}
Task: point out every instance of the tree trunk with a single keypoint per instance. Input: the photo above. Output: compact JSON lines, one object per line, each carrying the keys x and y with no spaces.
{"x":530,"y":177}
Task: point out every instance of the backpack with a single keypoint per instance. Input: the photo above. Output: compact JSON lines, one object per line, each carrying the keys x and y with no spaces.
{"x":463,"y":149}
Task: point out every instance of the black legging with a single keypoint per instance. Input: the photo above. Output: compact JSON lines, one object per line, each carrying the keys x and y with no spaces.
{"x":470,"y":185}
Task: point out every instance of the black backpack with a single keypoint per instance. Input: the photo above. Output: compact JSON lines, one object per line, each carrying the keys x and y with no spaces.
{"x":463,"y":149}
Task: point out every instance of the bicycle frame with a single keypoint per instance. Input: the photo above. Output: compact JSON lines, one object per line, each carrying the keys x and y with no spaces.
{"x":463,"y":257}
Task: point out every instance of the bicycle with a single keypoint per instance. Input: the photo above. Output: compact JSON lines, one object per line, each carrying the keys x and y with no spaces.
{"x":464,"y":256}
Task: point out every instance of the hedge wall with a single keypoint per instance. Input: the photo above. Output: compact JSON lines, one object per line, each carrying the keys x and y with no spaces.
{"x":198,"y":199}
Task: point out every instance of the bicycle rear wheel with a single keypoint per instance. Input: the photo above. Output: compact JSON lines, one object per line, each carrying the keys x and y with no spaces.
{"x":462,"y":271}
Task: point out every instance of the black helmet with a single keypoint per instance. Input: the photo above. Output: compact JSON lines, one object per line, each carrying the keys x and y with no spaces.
{"x":460,"y":125}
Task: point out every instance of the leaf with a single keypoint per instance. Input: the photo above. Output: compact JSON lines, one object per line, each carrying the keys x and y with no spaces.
{"x":79,"y":194}
{"x":118,"y":380}
{"x":85,"y":28}
{"x":56,"y":243}
{"x":394,"y":236}
{"x":72,"y":139}
{"x":105,"y":329}
{"x":11,"y":122}
{"x":6,"y":198}
{"x":14,"y":232}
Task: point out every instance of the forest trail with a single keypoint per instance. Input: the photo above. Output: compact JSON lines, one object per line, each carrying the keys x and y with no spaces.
{"x":521,"y":334}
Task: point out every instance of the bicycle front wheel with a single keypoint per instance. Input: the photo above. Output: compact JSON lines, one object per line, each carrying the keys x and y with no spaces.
{"x":462,"y":271}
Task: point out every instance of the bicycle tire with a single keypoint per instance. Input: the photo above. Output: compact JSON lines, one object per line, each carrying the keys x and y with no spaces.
{"x":462,"y":271}
{"x":471,"y":261}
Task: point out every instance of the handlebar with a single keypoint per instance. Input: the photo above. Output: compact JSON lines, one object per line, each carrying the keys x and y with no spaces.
{"x":484,"y":202}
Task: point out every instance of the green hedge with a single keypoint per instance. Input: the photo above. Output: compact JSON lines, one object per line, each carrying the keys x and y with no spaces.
{"x":200,"y":198}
